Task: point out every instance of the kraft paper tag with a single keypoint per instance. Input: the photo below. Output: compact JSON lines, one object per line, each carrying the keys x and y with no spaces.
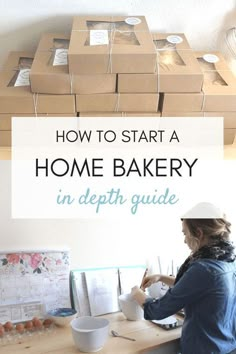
{"x":60,"y":57}
{"x":99,"y":37}
{"x":23,"y":78}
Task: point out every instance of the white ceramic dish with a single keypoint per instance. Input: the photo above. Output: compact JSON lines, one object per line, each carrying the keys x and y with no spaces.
{"x":89,"y":333}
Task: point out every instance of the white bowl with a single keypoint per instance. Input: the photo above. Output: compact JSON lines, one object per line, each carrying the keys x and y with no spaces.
{"x":130,"y":308}
{"x":62,"y":316}
{"x":89,"y":333}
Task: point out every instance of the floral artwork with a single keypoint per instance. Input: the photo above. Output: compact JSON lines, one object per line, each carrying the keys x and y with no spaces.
{"x":26,"y":277}
{"x":35,"y":262}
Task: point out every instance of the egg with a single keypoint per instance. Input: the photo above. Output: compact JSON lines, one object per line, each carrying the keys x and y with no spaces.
{"x":29,"y":325}
{"x":47,"y":323}
{"x":37,"y":323}
{"x":8,"y":326}
{"x":20,"y":327}
{"x":2,"y":330}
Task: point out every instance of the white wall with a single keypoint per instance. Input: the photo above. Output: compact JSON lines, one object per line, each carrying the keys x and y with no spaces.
{"x":203,"y":21}
{"x":92,"y":242}
{"x":98,"y":243}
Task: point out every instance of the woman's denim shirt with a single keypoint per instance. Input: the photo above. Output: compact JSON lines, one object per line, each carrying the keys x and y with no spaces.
{"x":207,"y":292}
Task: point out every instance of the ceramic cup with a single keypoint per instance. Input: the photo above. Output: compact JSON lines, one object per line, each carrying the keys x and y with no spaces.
{"x":130,"y":308}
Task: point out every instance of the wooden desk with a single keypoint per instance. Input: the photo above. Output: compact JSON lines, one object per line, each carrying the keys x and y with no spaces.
{"x":5,"y":153}
{"x":230,"y":152}
{"x":60,"y":341}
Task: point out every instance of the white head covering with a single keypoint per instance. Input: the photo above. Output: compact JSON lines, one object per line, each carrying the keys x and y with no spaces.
{"x":204,"y":211}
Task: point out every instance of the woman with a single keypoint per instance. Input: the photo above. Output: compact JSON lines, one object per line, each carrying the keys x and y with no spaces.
{"x":205,"y":286}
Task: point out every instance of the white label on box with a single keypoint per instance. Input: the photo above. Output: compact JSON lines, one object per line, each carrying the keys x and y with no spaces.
{"x":174,"y":39}
{"x":211,"y":58}
{"x":5,"y":314}
{"x":99,"y":37}
{"x":32,"y":310}
{"x":23,"y":78}
{"x":133,"y":21}
{"x":21,"y":311}
{"x":16,"y":313}
{"x":60,"y":57}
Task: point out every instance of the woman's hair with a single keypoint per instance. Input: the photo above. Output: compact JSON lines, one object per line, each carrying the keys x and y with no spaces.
{"x":212,"y":229}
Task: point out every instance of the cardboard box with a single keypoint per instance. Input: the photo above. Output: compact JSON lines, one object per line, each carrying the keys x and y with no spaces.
{"x":136,"y":102}
{"x":5,"y":122}
{"x":120,"y":114}
{"x":181,"y":102}
{"x":16,"y":95}
{"x":6,"y":119}
{"x":229,"y":136}
{"x":229,"y":117}
{"x":177,"y":67}
{"x":111,"y":44}
{"x":16,"y":99}
{"x":229,"y":120}
{"x":182,"y":114}
{"x":5,"y":138}
{"x":219,"y":87}
{"x":50,"y":71}
{"x":138,"y":83}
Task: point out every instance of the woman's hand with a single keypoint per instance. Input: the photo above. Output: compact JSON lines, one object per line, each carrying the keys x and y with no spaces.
{"x":149,"y":280}
{"x":152,"y":279}
{"x":138,"y":295}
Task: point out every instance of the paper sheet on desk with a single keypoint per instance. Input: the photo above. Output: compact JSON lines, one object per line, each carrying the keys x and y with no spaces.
{"x":80,"y":294}
{"x":166,"y":321}
{"x":96,"y":291}
{"x":103,"y":289}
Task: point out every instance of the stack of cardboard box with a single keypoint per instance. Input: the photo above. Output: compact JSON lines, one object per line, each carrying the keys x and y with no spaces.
{"x":17,"y":99}
{"x":112,"y":45}
{"x":50,"y":71}
{"x":176,"y":69}
{"x":216,"y":99}
{"x":114,"y":66}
